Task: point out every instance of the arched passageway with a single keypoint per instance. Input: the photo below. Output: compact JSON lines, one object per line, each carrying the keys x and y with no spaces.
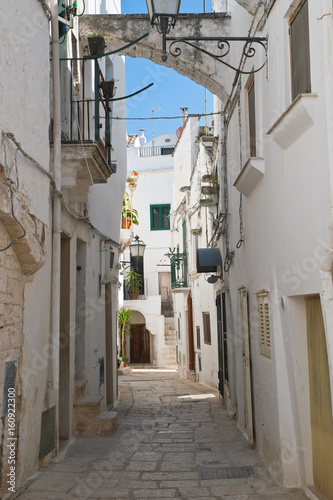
{"x":139,"y":350}
{"x":120,"y":30}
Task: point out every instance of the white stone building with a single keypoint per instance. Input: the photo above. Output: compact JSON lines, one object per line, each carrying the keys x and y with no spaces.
{"x":273,"y":228}
{"x":59,"y":235}
{"x":275,"y":236}
{"x":192,"y":223}
{"x":153,"y":333}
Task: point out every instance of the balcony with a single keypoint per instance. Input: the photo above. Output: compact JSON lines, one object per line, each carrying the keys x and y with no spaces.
{"x":156,"y":151}
{"x":86,"y":128}
{"x":179,"y":280}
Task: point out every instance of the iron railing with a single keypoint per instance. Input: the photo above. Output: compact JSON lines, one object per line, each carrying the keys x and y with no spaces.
{"x":86,"y":111}
{"x":179,"y":272}
{"x":156,"y":151}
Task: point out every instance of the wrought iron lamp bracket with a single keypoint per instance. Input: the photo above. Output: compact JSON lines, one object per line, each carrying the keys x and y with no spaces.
{"x":250,"y":46}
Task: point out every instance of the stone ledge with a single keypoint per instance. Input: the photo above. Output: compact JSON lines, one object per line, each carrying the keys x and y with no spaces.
{"x":30,"y":250}
{"x":295,"y":120}
{"x":124,"y":371}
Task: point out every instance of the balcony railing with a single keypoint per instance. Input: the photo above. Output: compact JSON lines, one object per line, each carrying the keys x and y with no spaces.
{"x":86,"y":109}
{"x":156,"y":151}
{"x":178,"y":270}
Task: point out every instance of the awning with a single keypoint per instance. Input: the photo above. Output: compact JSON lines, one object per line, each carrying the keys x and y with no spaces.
{"x":208,"y":259}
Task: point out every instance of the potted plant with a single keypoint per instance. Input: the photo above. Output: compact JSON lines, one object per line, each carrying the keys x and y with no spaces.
{"x":96,"y":44}
{"x":125,"y":360}
{"x":133,"y":283}
{"x":203,"y":133}
{"x":128,"y":215}
{"x":124,"y":324}
{"x":110,"y":87}
{"x":132,"y":179}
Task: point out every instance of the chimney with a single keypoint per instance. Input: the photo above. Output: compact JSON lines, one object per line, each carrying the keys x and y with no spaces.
{"x":142,"y":138}
{"x":184,"y":115}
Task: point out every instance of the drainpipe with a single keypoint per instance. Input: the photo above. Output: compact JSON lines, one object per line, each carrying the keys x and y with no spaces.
{"x":53,"y":378}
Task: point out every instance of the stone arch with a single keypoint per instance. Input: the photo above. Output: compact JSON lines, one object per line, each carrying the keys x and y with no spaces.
{"x":120,"y":30}
{"x":137,"y":317}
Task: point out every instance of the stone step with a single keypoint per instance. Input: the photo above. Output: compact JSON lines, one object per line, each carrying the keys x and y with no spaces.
{"x":105,"y":424}
{"x":79,"y":389}
{"x":170,"y":320}
{"x":87,"y":407}
{"x":170,"y":337}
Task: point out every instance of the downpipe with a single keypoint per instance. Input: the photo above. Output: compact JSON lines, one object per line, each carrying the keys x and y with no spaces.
{"x":53,"y":376}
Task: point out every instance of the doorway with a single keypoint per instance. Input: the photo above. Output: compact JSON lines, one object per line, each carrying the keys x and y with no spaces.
{"x":80,"y":323}
{"x":320,"y":399}
{"x":110,"y":360}
{"x":222,"y":338}
{"x":191,"y":352}
{"x":140,"y":344}
{"x":64,"y":346}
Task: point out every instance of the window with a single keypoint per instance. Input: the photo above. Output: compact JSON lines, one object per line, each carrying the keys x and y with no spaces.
{"x":300,"y":51}
{"x":159,"y":217}
{"x":198,"y":338}
{"x":264,"y":324}
{"x":252,"y":120}
{"x":206,"y":327}
{"x":167,"y":150}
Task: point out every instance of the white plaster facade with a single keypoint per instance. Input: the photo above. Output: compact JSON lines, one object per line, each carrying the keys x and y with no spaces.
{"x":53,"y":365}
{"x":273,"y":229}
{"x":280,"y":231}
{"x":192,"y":230}
{"x":154,"y":187}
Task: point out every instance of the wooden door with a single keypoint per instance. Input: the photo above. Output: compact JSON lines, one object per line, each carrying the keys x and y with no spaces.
{"x":220,"y":343}
{"x":246,"y":365}
{"x":191,"y":353}
{"x":320,"y":399}
{"x":140,"y":344}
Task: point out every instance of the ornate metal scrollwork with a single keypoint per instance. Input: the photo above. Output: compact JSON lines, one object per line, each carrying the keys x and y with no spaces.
{"x":223,"y":48}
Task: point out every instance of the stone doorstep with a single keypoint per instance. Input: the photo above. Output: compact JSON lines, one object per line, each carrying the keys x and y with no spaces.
{"x":79,"y":389}
{"x":105,"y":424}
{"x":87,"y":407}
{"x":124,"y":371}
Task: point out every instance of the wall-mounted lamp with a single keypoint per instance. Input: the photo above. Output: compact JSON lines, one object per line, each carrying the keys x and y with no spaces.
{"x":164,"y":13}
{"x":137,"y":249}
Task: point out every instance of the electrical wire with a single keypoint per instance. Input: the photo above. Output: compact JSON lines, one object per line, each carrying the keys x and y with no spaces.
{"x":165,"y":117}
{"x":84,"y":8}
{"x":14,"y":217}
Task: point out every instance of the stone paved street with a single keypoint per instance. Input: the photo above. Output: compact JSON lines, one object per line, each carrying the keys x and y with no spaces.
{"x":167,"y":446}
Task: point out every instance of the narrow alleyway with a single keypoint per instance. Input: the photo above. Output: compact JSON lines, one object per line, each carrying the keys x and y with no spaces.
{"x":174,"y":441}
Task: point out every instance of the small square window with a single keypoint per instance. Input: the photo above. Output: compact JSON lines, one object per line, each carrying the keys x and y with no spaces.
{"x":159,"y":217}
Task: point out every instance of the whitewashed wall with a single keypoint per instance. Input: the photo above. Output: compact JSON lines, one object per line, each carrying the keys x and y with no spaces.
{"x":287,"y":220}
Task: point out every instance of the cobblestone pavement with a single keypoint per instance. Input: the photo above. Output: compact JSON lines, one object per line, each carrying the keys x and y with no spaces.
{"x":174,"y":441}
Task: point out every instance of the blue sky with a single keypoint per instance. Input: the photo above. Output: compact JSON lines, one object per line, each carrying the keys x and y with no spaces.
{"x":170,"y":89}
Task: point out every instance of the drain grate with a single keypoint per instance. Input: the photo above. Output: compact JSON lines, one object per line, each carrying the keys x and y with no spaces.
{"x":227,"y":473}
